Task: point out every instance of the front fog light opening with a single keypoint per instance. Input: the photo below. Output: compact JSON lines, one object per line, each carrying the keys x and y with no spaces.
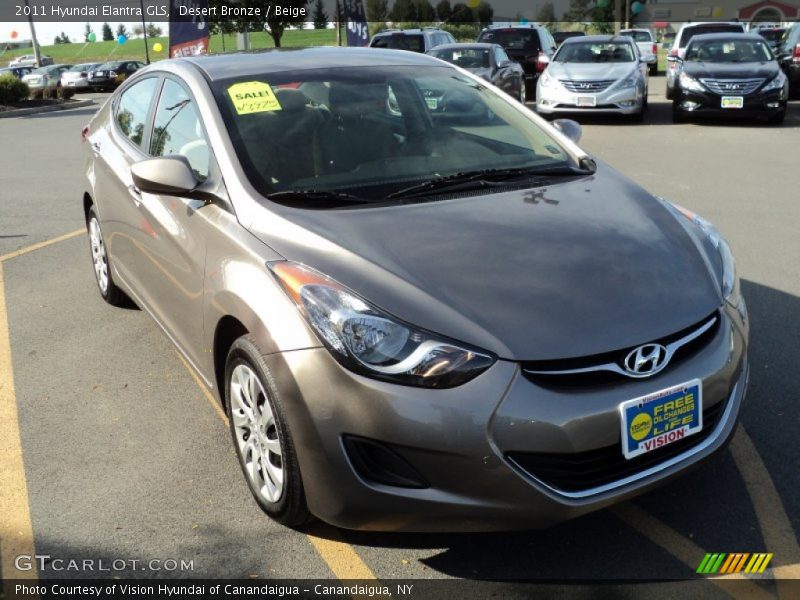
{"x":689,"y":105}
{"x":773,"y":104}
{"x":627,"y":103}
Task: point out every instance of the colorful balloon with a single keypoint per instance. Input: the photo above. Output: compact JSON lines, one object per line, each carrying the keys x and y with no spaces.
{"x":717,"y":12}
{"x":157,"y":47}
{"x":92,"y":37}
{"x":14,"y":35}
{"x":636,"y":8}
{"x":473,"y":3}
{"x":121,"y":40}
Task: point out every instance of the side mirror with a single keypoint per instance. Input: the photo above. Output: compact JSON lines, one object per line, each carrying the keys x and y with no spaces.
{"x":167,"y":176}
{"x":571,"y":129}
{"x":674,"y":59}
{"x":504,"y":64}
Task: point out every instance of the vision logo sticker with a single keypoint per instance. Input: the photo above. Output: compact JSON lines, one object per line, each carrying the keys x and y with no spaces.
{"x":737,"y":562}
{"x":641,"y":426}
{"x":253,"y":97}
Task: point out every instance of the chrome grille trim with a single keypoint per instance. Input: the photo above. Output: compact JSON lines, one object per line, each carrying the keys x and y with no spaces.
{"x":732,"y":87}
{"x":586,"y":86}
{"x":613,"y":367}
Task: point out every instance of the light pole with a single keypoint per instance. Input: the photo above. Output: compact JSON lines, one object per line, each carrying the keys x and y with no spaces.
{"x":144,"y":32}
{"x":36,"y":52}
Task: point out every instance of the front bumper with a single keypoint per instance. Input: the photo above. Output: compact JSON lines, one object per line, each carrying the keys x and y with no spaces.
{"x":708,"y":103}
{"x":459,"y":439}
{"x":556,"y":98}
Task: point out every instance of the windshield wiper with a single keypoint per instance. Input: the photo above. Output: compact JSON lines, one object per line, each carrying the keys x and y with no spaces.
{"x":485,"y":178}
{"x":316,"y":196}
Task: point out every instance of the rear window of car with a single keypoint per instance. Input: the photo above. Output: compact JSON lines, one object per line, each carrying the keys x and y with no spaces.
{"x":512,"y":39}
{"x":638,"y":36}
{"x":771,"y":35}
{"x":690,"y":32}
{"x":400,"y":41}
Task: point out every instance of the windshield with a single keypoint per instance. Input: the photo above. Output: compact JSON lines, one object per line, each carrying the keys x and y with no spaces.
{"x":373,"y":131}
{"x":728,"y":51}
{"x":400,"y":41}
{"x":512,"y":39}
{"x":595,"y":52}
{"x":83,"y":67}
{"x":467,"y":58}
{"x":772,"y":35}
{"x":638,"y":36}
{"x":690,"y":32}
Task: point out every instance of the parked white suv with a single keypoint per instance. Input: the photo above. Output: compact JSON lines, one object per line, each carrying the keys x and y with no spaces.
{"x":686,"y":33}
{"x":647,"y":46}
{"x":29,"y":60}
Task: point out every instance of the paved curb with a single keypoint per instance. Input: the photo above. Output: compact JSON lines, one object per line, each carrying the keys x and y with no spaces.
{"x":19,"y":112}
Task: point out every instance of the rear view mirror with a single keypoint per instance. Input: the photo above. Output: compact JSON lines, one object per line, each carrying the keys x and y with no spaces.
{"x":571,"y":129}
{"x":167,"y":176}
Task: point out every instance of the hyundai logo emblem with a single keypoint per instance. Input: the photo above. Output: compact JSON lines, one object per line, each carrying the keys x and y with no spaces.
{"x":646,"y":360}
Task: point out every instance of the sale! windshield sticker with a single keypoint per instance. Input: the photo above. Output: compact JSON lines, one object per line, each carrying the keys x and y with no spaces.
{"x":253,"y":97}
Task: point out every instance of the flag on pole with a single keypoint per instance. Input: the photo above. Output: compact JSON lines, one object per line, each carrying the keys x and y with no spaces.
{"x":188,"y":33}
{"x":356,"y":19}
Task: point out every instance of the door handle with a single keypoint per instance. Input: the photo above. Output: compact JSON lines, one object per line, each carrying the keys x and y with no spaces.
{"x":96,"y":147}
{"x":136,"y":194}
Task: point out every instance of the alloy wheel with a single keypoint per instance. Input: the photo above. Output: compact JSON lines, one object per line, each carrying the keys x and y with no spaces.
{"x":99,"y":257}
{"x":256,"y":433}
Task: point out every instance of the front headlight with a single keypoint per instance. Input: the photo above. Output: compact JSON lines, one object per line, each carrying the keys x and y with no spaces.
{"x":371,"y":342}
{"x":778,"y":82}
{"x":730,"y":283}
{"x":546,"y":80}
{"x":690,"y":83}
{"x":629,"y":81}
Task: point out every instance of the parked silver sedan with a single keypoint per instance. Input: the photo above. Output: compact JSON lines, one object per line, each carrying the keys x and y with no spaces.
{"x":594,"y":74}
{"x":418,"y":315}
{"x":77,"y":76}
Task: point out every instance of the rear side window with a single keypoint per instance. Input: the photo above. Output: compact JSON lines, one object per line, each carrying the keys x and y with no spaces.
{"x":512,"y":39}
{"x":177,"y":130}
{"x":400,"y":41}
{"x":134,"y":104}
{"x":690,"y":32}
{"x":638,"y":36}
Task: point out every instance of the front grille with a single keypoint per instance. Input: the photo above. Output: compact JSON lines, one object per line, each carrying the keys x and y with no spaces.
{"x":582,"y":471}
{"x":732,"y":87}
{"x":586,"y":87}
{"x":604,"y":369}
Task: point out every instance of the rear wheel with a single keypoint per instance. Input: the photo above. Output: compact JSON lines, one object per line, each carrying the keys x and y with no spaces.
{"x":654,"y":68}
{"x":261,"y":435}
{"x":522,"y":95}
{"x":100,"y":260}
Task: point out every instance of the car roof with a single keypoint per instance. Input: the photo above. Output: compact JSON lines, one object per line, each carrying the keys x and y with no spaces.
{"x":415,"y":31}
{"x":705,"y":23}
{"x":477,"y":45}
{"x":709,"y":37}
{"x":242,"y":64}
{"x":597,"y":38}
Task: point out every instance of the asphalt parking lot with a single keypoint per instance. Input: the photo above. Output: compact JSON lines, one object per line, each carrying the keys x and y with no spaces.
{"x":111,"y":449}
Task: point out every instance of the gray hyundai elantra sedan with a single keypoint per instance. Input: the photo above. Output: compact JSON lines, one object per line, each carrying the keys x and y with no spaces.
{"x":422,"y":306}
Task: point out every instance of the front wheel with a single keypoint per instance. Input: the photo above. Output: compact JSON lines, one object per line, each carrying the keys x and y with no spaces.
{"x":778,"y":117}
{"x":522,"y":96}
{"x":261,"y":435}
{"x":677,"y":114}
{"x":102,"y":265}
{"x":654,"y":69}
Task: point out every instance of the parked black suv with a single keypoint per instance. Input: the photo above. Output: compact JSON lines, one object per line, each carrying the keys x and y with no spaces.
{"x":788,"y":54}
{"x":531,"y":46}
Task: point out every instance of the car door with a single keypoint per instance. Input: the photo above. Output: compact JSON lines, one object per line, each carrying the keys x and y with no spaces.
{"x":169,"y":243}
{"x":505,"y":75}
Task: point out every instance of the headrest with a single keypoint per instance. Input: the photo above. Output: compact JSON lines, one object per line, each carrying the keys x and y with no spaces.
{"x":291,"y":100}
{"x":351,"y":97}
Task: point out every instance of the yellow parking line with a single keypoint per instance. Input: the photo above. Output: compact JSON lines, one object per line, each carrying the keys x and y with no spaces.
{"x":44,"y":244}
{"x":776,"y":528}
{"x":686,"y":551}
{"x":340,"y":556}
{"x":16,"y":531}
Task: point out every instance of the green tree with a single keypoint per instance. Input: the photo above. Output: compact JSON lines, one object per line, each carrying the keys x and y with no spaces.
{"x":153,"y":30}
{"x":578,"y":10}
{"x":65,"y":38}
{"x":377,"y":11}
{"x":87,"y":30}
{"x":276,"y":25}
{"x":444,"y":10}
{"x":122,"y":30}
{"x":485,"y":14}
{"x":547,"y":16}
{"x":320,"y":16}
{"x":137,"y":31}
{"x":108,"y":35}
{"x":603,"y":18}
{"x":403,"y":11}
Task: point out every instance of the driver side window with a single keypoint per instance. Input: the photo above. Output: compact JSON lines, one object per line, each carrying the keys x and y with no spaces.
{"x":177,"y":130}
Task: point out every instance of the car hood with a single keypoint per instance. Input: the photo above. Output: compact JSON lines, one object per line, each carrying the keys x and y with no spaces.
{"x":591,"y":71}
{"x":571,"y":269}
{"x":484,"y":72}
{"x":750,"y":70}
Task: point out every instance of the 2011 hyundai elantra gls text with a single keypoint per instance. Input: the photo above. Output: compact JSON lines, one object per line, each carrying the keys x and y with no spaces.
{"x":418,"y":315}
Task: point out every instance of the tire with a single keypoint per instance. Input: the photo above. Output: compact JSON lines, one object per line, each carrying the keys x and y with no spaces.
{"x":677,"y":115}
{"x":522,"y":95}
{"x":102,"y":264}
{"x":654,"y":69}
{"x":778,"y":118}
{"x":669,"y":94}
{"x":278,"y":487}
